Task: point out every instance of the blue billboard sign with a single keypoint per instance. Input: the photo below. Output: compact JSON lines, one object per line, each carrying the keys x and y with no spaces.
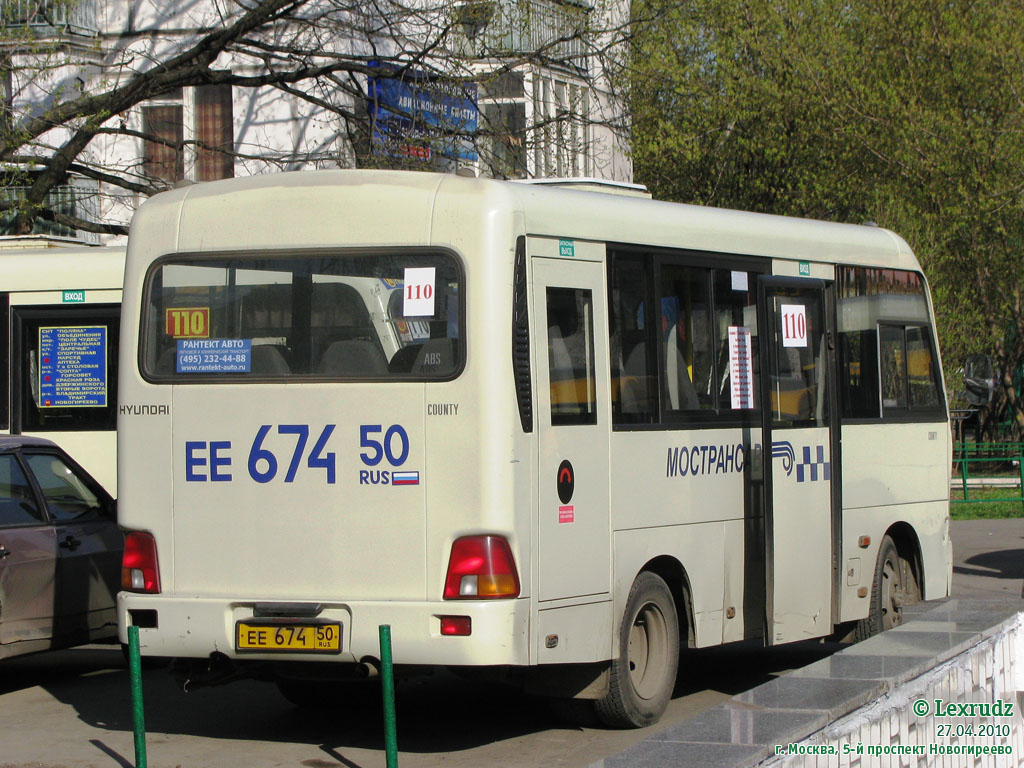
{"x":423,"y":117}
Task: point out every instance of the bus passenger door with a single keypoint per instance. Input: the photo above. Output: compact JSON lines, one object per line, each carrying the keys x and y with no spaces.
{"x":571,"y":361}
{"x":800,"y":455}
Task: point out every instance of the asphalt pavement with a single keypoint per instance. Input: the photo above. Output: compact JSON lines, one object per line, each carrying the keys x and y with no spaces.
{"x":988,"y":557}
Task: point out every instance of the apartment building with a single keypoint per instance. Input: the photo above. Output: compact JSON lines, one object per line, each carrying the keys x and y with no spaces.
{"x":506,"y":88}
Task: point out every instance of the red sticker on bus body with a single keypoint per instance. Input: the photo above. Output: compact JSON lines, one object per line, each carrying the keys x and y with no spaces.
{"x":188,"y":322}
{"x":567,"y":514}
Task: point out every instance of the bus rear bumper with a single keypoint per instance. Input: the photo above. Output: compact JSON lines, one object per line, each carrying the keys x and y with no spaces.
{"x":198,"y":627}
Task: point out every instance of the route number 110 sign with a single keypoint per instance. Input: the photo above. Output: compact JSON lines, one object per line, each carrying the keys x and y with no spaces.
{"x":794,"y":325}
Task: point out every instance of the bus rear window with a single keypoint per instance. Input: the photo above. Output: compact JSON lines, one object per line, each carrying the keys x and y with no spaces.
{"x":371,"y":316}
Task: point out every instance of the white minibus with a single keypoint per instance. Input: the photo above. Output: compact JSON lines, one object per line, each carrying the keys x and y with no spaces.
{"x":60,"y":307}
{"x":549,"y":433}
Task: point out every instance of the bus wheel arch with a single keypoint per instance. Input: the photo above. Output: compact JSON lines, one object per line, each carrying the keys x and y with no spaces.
{"x":896,"y":581}
{"x":643,"y":672}
{"x":674,"y":575}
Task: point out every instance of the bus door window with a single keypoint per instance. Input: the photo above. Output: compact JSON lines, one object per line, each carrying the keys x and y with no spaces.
{"x":799,"y":396}
{"x":685,"y":336}
{"x":66,"y":372}
{"x":571,"y":356}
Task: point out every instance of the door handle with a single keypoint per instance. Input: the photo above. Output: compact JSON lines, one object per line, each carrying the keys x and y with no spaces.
{"x":70,"y":543}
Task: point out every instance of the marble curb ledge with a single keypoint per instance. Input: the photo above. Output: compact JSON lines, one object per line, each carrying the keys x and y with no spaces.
{"x":744,"y":730}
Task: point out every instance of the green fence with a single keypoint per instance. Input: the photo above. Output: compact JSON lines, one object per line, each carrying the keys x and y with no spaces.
{"x":971,"y":460}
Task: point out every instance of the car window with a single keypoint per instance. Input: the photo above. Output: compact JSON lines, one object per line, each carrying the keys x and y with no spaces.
{"x":17,"y":500}
{"x":67,"y":494}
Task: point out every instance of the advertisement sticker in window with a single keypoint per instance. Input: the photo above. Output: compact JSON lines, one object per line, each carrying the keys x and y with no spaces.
{"x":73,"y":367}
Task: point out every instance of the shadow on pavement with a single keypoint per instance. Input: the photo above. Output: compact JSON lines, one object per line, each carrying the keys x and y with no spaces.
{"x":437,"y":714}
{"x":999,"y":564}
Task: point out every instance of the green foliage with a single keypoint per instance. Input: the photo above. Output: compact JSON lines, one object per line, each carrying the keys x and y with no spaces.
{"x":908,"y":113}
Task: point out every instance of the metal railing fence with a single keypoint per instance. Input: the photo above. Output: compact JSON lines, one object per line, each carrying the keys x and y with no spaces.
{"x":1008,"y":454}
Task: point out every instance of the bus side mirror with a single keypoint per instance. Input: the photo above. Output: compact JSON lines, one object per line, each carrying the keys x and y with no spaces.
{"x":979,"y":379}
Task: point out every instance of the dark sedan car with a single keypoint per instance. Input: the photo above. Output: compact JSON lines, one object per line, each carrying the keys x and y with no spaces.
{"x":60,"y":550}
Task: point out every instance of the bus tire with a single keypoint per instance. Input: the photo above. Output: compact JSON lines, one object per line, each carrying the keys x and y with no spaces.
{"x":892,"y":587}
{"x":643,"y":675}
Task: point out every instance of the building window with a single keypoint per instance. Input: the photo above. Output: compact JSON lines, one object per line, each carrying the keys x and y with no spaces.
{"x":561,"y":110}
{"x":192,"y":135}
{"x":502,"y":104}
{"x":214,"y":133}
{"x":163,"y":157}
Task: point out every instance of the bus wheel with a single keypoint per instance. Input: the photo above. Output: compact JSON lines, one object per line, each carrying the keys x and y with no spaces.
{"x":893,"y":587}
{"x":644,"y":673}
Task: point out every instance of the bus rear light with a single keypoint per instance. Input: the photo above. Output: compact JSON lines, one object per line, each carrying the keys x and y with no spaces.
{"x":456,"y":626}
{"x":140,"y":570}
{"x":481,"y":567}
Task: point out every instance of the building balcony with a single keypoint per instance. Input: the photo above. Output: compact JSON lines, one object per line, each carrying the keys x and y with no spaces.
{"x":49,"y":18}
{"x":555,"y":31}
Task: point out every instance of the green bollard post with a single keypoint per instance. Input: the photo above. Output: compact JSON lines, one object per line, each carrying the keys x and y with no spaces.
{"x":138,"y":715}
{"x":387,"y":675}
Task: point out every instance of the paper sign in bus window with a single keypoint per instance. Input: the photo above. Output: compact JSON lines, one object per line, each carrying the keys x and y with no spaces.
{"x":73,"y":367}
{"x":418,"y":292}
{"x":188,"y":322}
{"x":794,"y":325}
{"x":741,"y":376}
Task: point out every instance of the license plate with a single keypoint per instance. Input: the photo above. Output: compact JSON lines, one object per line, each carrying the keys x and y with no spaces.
{"x":277,"y":637}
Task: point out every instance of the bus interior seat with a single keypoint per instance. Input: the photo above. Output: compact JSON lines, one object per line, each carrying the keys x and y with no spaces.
{"x":166,"y":363}
{"x":633,"y":380}
{"x":354,"y":357}
{"x":267,"y":359}
{"x":682,"y":395}
{"x":404,"y":359}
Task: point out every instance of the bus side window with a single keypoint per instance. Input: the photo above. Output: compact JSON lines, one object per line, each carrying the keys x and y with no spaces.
{"x":894,"y":367}
{"x":921,"y":370}
{"x":634,"y":398}
{"x":685,"y":338}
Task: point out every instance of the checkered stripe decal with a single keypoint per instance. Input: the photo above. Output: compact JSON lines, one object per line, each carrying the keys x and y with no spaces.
{"x":815,"y":470}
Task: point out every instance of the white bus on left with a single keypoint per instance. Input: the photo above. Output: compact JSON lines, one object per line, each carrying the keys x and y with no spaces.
{"x":60,"y":309}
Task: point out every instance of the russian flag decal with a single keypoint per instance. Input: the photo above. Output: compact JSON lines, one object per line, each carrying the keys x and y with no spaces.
{"x":405,"y":478}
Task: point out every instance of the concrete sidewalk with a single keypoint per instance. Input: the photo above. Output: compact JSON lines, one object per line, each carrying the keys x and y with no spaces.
{"x":961,"y":650}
